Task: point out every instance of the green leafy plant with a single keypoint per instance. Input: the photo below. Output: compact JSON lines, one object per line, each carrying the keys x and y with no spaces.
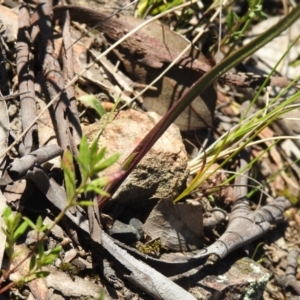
{"x":15,"y":226}
{"x":183,"y":15}
{"x":91,"y":161}
{"x":237,"y":26}
{"x":154,"y":7}
{"x":14,"y":229}
{"x":93,"y":102}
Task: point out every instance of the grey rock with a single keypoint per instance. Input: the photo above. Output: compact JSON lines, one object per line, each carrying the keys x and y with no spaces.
{"x":56,"y":230}
{"x":137,"y":224}
{"x":72,"y":287}
{"x":82,"y":264}
{"x":70,"y":255}
{"x":31,"y":238}
{"x":124,"y":232}
{"x":235,"y":279}
{"x":56,"y":297}
{"x":57,"y":262}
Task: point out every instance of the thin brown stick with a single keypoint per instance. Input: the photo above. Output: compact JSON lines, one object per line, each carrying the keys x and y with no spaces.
{"x":26,"y":81}
{"x":42,"y":38}
{"x":68,"y":73}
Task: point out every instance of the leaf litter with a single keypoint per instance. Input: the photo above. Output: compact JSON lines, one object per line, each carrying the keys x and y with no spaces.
{"x":196,"y":235}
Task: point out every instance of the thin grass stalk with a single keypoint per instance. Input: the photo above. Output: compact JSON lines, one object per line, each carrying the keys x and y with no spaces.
{"x":244,"y":130}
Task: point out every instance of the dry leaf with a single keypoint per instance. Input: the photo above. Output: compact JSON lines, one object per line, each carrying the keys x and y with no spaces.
{"x":179,"y":226}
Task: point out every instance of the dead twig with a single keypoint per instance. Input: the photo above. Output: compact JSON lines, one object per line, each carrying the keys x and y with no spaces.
{"x":42,"y":38}
{"x":289,"y":279}
{"x":19,"y":167}
{"x":68,"y":73}
{"x":26,"y":81}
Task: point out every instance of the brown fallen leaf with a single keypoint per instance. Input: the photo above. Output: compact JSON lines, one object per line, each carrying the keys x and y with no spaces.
{"x":179,"y":226}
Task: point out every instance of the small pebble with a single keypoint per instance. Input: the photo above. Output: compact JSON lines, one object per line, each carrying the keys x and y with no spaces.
{"x":70,"y":255}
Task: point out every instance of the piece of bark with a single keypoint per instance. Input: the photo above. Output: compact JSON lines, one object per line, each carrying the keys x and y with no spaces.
{"x":111,"y":276}
{"x":146,"y":278}
{"x":116,"y":27}
{"x":289,"y":279}
{"x":95,"y":227}
{"x":57,"y":196}
{"x":19,"y":167}
{"x":42,"y":38}
{"x":26,"y":81}
{"x":6,"y":34}
{"x":4,"y":128}
{"x":245,"y":226}
{"x":68,"y":73}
